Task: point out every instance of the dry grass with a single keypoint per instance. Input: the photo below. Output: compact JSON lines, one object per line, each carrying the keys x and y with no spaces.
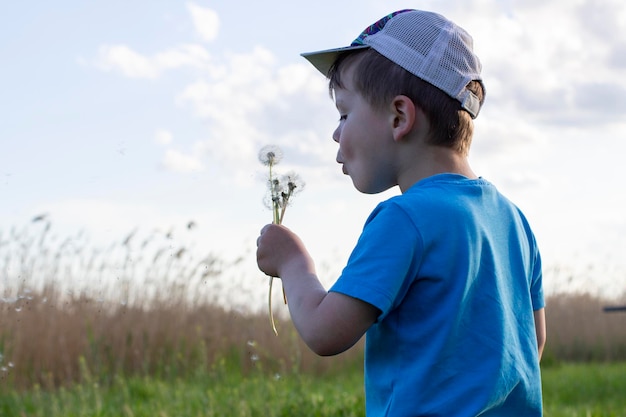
{"x":146,"y":306}
{"x":580,"y":330}
{"x":142,"y":306}
{"x":43,"y":338}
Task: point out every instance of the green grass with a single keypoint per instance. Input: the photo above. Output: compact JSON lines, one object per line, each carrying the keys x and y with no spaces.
{"x":223,"y":391}
{"x":572,"y":390}
{"x":148,"y":397}
{"x":585,"y":390}
{"x":159,"y":333}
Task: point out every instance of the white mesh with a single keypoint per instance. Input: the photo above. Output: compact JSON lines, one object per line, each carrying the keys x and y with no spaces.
{"x":434,"y":49}
{"x":427,"y":45}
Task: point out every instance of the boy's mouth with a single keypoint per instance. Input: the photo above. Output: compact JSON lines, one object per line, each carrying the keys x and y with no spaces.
{"x":339,"y":160}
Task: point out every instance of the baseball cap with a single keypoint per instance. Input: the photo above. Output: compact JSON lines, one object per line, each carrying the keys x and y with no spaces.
{"x":426,"y":44}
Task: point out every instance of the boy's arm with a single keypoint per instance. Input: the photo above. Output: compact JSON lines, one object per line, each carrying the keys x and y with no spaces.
{"x":540,"y":329}
{"x":329,"y":323}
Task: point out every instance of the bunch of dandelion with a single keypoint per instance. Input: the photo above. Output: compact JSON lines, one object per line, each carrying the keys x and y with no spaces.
{"x":280,"y":191}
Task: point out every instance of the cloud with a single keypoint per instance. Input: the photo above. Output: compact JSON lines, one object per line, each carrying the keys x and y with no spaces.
{"x":246,"y":99}
{"x":125,"y":60}
{"x":537,"y":75}
{"x":129,"y":63}
{"x":602,"y":99}
{"x":163,"y":137}
{"x":255,"y":102}
{"x":122,"y":59}
{"x":617,"y":57}
{"x":177,"y":161}
{"x":205,"y":20}
{"x":188,"y":55}
{"x":554,"y":62}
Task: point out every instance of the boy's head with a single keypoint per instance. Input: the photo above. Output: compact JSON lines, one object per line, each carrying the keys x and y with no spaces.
{"x":421,"y":55}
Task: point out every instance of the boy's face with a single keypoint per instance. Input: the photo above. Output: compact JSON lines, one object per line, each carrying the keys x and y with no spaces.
{"x":365,"y":140}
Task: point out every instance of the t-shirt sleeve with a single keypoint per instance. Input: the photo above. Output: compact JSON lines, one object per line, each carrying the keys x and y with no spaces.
{"x":536,"y":271}
{"x":536,"y":284}
{"x":385,"y":260}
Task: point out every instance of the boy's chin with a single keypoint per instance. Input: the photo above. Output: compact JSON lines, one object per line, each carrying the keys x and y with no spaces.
{"x":370,"y":188}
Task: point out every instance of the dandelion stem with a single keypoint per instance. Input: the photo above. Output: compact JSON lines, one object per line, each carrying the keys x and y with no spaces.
{"x":270,"y":306}
{"x":276,"y":219}
{"x":279,"y":197}
{"x":282,"y":212}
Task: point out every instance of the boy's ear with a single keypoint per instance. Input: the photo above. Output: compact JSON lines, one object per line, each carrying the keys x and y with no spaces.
{"x":403,"y":116}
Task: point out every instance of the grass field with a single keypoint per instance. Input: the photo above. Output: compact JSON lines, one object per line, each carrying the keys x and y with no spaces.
{"x":585,"y":390}
{"x":570,"y":390}
{"x":141,"y":329}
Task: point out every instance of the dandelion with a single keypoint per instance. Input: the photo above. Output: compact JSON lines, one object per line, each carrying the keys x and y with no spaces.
{"x":291,"y":184}
{"x":280,"y":191}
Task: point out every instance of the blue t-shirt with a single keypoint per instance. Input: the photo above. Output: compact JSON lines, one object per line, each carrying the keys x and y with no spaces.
{"x":455,"y":271}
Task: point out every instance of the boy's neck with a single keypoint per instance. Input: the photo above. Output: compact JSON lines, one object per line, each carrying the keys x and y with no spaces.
{"x":432,"y":160}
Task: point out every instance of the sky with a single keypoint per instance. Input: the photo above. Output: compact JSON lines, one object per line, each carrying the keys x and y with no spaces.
{"x":148,"y":115}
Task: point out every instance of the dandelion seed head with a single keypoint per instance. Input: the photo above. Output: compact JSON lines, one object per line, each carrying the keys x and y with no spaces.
{"x":279,"y":191}
{"x":293,"y":182}
{"x":268,"y":201}
{"x":276,"y":186}
{"x":270,"y":155}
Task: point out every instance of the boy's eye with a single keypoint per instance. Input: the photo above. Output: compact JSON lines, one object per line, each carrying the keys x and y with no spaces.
{"x":342,"y":117}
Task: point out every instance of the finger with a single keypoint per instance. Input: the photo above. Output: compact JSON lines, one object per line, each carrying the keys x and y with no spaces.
{"x":258,"y":240}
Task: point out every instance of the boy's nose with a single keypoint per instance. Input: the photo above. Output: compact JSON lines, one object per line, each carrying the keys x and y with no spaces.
{"x":336,"y":134}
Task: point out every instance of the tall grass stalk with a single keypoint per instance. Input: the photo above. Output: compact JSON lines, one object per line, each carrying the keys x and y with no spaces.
{"x":143,"y":306}
{"x":147,"y":307}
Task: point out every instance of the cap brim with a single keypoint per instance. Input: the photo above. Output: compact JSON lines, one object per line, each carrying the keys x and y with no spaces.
{"x":323,"y":60}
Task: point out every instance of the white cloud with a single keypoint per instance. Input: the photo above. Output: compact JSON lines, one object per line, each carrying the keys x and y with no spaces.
{"x":244,"y":89}
{"x":163,"y":137}
{"x":553,"y":73}
{"x":126,"y":61}
{"x":205,"y":20}
{"x":121,"y":58}
{"x":187,"y":55}
{"x":177,"y":161}
{"x":255,"y":102}
{"x":555,"y":62}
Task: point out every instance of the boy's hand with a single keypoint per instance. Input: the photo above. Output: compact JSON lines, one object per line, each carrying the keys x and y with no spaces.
{"x":329,"y":323}
{"x":279,"y":249}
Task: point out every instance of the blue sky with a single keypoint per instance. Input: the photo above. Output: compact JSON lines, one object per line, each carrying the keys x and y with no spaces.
{"x":122,"y":115}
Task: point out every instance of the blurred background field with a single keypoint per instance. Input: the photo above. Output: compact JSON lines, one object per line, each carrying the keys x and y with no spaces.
{"x":145,"y":305}
{"x":147,"y":308}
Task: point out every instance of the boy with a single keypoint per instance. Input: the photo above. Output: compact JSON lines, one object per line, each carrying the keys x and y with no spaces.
{"x":446,"y":278}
